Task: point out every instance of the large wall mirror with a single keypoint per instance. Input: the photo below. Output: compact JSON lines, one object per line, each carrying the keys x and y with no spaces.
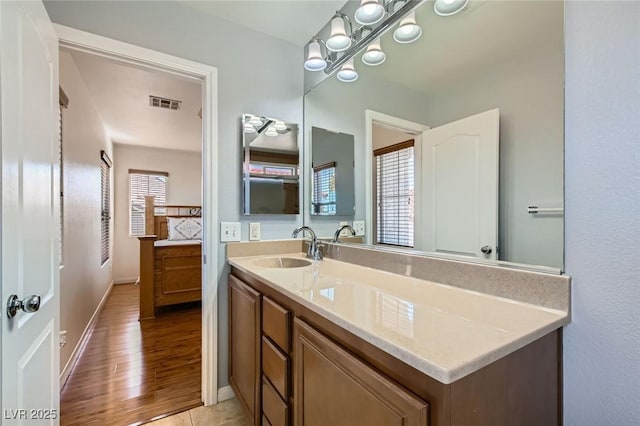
{"x":458,"y":136}
{"x":271,"y":172}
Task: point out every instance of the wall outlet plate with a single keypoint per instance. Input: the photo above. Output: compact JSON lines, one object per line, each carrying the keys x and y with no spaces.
{"x":229,"y":231}
{"x":254,"y":231}
{"x":358,"y":225}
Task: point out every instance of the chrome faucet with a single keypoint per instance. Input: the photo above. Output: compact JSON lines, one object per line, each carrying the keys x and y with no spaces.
{"x":313,"y":252}
{"x":339,"y":231}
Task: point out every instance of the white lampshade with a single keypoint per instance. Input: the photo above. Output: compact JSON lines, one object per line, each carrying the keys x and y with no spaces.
{"x":271,"y":132}
{"x":338,"y":41}
{"x":370,"y":12}
{"x":248,"y":128}
{"x":279,"y":125}
{"x":449,"y":7}
{"x":315,"y":61}
{"x":255,"y":120}
{"x":348,"y":73}
{"x":374,"y":54}
{"x":408,"y":31}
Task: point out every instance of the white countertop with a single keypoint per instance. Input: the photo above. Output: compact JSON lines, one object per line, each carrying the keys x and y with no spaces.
{"x":443,"y":331}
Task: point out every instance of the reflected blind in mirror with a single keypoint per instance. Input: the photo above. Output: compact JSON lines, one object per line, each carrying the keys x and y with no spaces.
{"x":395,"y":196}
{"x":141,"y":184}
{"x":324,"y":189}
{"x":105,"y":216}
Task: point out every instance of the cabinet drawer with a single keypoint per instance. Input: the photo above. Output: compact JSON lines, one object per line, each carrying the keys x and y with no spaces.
{"x":276,"y":323}
{"x":273,"y":407}
{"x":275,"y":366}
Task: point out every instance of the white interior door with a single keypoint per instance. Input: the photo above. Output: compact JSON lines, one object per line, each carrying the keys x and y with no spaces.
{"x":460,"y":187}
{"x":29,"y":214}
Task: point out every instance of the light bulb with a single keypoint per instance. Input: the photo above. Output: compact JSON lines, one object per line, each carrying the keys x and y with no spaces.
{"x":347,"y":73}
{"x":370,"y":12}
{"x":408,"y":31}
{"x":449,"y":7}
{"x":338,"y":41}
{"x":374,"y":54}
{"x":315,"y":61}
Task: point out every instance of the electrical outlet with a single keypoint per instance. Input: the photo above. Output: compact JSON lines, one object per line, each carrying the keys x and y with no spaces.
{"x":345,"y":232}
{"x":254,"y":231}
{"x":358,"y":225}
{"x":229,"y":231}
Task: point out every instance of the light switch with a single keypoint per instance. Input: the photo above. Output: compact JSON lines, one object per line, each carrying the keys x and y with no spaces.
{"x":229,"y":231}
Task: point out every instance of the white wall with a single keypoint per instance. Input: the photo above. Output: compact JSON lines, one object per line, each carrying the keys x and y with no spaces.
{"x":602,"y":176}
{"x":184,"y":188}
{"x":257,"y":74}
{"x":83,"y":282}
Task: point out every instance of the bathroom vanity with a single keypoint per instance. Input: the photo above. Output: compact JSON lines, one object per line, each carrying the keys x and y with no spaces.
{"x":337,"y":343}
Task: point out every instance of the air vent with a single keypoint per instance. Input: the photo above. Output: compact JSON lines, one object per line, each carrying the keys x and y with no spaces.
{"x":157,"y":101}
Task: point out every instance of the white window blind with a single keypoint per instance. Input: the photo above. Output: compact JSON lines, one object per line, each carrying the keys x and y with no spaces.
{"x":395,"y":194}
{"x":105,"y":220}
{"x":324,"y":189}
{"x":141,"y":184}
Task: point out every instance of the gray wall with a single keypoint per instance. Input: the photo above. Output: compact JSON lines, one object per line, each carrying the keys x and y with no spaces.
{"x":273,"y":88}
{"x":602,"y":172}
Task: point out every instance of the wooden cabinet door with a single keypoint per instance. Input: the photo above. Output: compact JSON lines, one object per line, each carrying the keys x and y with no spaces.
{"x":245,"y":346}
{"x":332,"y":387}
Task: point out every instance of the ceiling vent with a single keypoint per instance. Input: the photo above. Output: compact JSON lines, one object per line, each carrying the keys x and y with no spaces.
{"x":157,"y":101}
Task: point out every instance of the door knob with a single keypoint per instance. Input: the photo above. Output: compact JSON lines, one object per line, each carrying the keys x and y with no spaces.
{"x":486,"y":250}
{"x":30,"y":304}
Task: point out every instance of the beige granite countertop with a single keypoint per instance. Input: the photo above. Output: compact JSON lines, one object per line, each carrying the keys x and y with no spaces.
{"x":443,"y":331}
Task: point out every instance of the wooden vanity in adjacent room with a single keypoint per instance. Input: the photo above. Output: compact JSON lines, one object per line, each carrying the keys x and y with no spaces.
{"x":297,"y":357}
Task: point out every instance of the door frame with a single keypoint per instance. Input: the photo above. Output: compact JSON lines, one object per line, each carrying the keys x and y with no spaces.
{"x":71,"y":38}
{"x":372,"y":117}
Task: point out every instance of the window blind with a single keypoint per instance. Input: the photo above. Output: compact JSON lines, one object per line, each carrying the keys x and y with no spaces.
{"x":324,"y":189}
{"x":105,"y":220}
{"x":141,"y":184}
{"x":395,"y":194}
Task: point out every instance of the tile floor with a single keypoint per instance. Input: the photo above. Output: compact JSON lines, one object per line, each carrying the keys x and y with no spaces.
{"x":226,"y":413}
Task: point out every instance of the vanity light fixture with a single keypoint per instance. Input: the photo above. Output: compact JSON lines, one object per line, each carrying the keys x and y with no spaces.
{"x":408,"y":31}
{"x":339,"y":40}
{"x":348,"y":73}
{"x":255,"y":121}
{"x":280,"y":126}
{"x":374,"y":54}
{"x":271,"y":132}
{"x":315,"y":60}
{"x":370,"y":12}
{"x":449,"y":7}
{"x":248,"y":128}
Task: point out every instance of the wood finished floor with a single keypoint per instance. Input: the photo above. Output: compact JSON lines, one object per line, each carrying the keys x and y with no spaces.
{"x":131,"y":372}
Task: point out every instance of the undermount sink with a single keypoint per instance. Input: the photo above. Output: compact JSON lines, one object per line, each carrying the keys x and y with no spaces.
{"x":282,"y":262}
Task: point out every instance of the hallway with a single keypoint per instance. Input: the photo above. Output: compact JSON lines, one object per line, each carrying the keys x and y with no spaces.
{"x":130,"y":372}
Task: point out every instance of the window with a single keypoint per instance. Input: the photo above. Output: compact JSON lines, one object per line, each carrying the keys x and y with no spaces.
{"x":105,"y":219}
{"x":395,"y":194}
{"x":63,"y":102}
{"x":144,"y":183}
{"x":324,"y":189}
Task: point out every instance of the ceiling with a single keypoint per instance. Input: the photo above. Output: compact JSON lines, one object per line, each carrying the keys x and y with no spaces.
{"x":295,"y":21}
{"x":120,"y":92}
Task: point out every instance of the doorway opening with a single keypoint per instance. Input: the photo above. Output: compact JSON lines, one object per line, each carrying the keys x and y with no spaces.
{"x":205,"y":77}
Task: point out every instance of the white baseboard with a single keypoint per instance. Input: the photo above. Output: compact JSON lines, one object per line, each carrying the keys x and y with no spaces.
{"x":126,"y":280}
{"x":64,"y":375}
{"x":225,"y":393}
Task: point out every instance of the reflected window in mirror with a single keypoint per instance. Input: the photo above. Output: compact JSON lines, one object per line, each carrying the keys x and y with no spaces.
{"x":324,"y":189}
{"x":395,"y":194}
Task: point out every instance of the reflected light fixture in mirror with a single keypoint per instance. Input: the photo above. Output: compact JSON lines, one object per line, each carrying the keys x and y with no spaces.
{"x":255,"y":121}
{"x":315,"y":60}
{"x":449,"y":7}
{"x":339,"y":40}
{"x":248,"y":128}
{"x":279,"y":125}
{"x":408,"y":31}
{"x":374,"y":54}
{"x":370,"y":12}
{"x":271,"y":131}
{"x":348,"y":73}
